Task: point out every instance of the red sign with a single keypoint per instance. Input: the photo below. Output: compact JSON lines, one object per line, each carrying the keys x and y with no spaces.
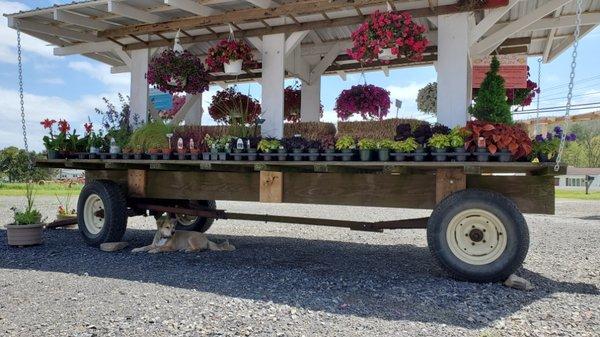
{"x":513,"y":68}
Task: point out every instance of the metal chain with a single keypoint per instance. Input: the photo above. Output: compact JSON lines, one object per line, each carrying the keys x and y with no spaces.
{"x":571,"y":84}
{"x":21,"y":97}
{"x":537,"y":113}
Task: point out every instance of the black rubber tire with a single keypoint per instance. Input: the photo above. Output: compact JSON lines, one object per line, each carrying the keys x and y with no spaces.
{"x":517,"y":233}
{"x":201,"y":224}
{"x":115,"y":212}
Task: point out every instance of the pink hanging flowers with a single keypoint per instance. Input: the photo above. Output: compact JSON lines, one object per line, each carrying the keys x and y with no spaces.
{"x":394,"y":30}
{"x":229,"y":50}
{"x":368,"y":100}
{"x":175,"y":72}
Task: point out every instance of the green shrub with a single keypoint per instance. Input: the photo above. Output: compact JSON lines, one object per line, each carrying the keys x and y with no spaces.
{"x":367,"y":144}
{"x":490,"y":103}
{"x":406,"y":146}
{"x":345,"y":143}
{"x":439,"y":141}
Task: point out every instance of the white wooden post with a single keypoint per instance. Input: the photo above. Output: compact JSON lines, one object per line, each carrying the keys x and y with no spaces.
{"x":453,"y":69}
{"x":139,"y":85}
{"x":273,"y":66}
{"x":310,"y":102}
{"x":194,"y":115}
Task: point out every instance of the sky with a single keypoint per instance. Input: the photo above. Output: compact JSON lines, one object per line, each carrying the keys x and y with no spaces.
{"x":71,"y":87}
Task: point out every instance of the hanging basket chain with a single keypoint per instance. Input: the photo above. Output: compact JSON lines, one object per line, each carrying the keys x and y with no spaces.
{"x":537,"y":112}
{"x":571,"y":84}
{"x":21,"y":98}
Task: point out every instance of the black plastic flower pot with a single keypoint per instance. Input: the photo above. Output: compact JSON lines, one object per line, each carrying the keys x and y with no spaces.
{"x":155,"y":156}
{"x":252,"y":155}
{"x":267,"y":156}
{"x":222,"y":156}
{"x":52,"y":154}
{"x":205,"y":155}
{"x":347,"y":155}
{"x":297,"y":154}
{"x":214,"y":155}
{"x":439,"y":154}
{"x":92,"y":155}
{"x":281,"y":155}
{"x":482,"y":154}
{"x":313,"y":154}
{"x":166,"y":156}
{"x":400,"y":156}
{"x":329,"y":155}
{"x":125,"y":156}
{"x":543,"y":157}
{"x":237,"y":155}
{"x":137,"y":156}
{"x":419,"y":154}
{"x":365,"y":155}
{"x":384,"y":154}
{"x":460,"y":154}
{"x":504,"y":156}
{"x":104,"y":155}
{"x":194,"y":156}
{"x":181,"y":155}
{"x":82,"y":155}
{"x":114,"y":156}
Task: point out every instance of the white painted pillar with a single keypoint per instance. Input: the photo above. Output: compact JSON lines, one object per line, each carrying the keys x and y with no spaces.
{"x":139,"y":85}
{"x":273,"y":72}
{"x":194,"y":116}
{"x":310,"y":102}
{"x":453,"y":69}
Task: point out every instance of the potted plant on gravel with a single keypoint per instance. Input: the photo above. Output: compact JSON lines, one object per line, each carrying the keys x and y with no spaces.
{"x":65,"y":211}
{"x":403,"y":148}
{"x":346,"y":145}
{"x":384,"y":146}
{"x":366,"y":147}
{"x":26,"y":229}
{"x":230,"y":56}
{"x":439,"y":144}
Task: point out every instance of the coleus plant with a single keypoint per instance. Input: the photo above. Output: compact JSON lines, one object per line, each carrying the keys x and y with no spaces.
{"x":499,"y":137}
{"x":185,"y":69}
{"x":368,"y":100}
{"x":394,"y":30}
{"x":229,"y":50}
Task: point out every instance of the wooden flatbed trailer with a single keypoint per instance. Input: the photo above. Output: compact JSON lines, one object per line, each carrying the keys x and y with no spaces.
{"x":476,"y":230}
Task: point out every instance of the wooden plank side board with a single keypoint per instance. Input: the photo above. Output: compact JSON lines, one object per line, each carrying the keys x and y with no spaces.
{"x":532,"y":194}
{"x":448,"y":181}
{"x":271,"y":186}
{"x":382,"y":190}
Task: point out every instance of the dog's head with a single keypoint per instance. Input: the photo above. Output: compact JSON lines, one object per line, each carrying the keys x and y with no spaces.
{"x":166,"y":226}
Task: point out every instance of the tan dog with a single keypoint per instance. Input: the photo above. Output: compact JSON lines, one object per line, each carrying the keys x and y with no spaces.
{"x":167,"y":239}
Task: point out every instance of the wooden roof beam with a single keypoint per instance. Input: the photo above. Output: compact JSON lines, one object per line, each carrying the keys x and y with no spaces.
{"x":193,"y":7}
{"x":263,"y":3}
{"x":80,"y":20}
{"x":131,"y":12}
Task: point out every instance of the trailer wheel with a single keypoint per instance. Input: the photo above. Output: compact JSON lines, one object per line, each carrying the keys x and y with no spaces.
{"x":196,"y":223}
{"x":478,"y":236}
{"x":102,"y":212}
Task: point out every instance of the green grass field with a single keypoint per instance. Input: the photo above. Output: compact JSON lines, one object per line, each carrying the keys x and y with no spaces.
{"x":18,"y":189}
{"x":578,"y":194}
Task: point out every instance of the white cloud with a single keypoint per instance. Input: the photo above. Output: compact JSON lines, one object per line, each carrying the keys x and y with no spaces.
{"x":101,"y":72}
{"x":51,"y":80}
{"x":8,"y":36}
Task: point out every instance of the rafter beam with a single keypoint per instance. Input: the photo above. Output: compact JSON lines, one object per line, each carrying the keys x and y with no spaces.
{"x":325,"y":62}
{"x":263,"y":3}
{"x":551,"y":35}
{"x":294,"y":40}
{"x":490,"y":19}
{"x":83,"y":48}
{"x":566,"y":43}
{"x":132,"y":12}
{"x":80,"y":20}
{"x":51,"y":30}
{"x":193,"y":7}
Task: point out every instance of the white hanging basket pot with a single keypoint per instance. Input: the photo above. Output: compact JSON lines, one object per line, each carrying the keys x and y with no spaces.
{"x":233,"y":67}
{"x":386,"y":54}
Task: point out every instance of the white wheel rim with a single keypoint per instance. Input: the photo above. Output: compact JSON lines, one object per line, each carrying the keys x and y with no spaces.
{"x":476,"y":236}
{"x":94,"y":221}
{"x":186,"y":220}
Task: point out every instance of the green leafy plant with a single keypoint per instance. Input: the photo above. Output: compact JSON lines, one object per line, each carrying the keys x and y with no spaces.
{"x":490,"y":103}
{"x":218,"y":144}
{"x":268,"y":145}
{"x":30,"y":215}
{"x":345,"y":143}
{"x":151,"y":135}
{"x":96,"y":139}
{"x":458,"y":137}
{"x":439,"y":141}
{"x":406,"y":146}
{"x":367,"y":144}
{"x":385,"y":144}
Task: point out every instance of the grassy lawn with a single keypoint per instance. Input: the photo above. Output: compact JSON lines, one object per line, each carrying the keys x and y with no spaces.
{"x":577,"y":194}
{"x":18,"y":189}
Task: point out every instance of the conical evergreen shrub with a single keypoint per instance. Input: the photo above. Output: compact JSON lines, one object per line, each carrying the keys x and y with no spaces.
{"x":490,"y":103}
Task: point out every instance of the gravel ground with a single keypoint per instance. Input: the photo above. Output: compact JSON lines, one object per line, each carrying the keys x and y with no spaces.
{"x":293,"y":280}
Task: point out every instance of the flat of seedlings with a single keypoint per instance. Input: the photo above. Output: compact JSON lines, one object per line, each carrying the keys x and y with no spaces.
{"x":470,"y":167}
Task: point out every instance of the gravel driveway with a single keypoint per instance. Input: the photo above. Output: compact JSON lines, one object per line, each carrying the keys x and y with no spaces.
{"x":293,"y":280}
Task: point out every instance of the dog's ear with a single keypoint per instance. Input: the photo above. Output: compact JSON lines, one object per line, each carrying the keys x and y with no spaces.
{"x":173,"y":221}
{"x":160,"y":222}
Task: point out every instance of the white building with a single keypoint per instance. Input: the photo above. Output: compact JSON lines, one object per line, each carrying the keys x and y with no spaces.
{"x":576,"y":176}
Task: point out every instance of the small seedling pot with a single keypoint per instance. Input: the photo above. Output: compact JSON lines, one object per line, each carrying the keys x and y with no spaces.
{"x":439,"y":154}
{"x":126,"y":155}
{"x":114,"y":156}
{"x":206,"y":156}
{"x":166,"y":156}
{"x":460,"y":154}
{"x":282,"y":155}
{"x":222,"y":156}
{"x":104,"y":155}
{"x":193,"y":156}
{"x":214,"y":155}
{"x":329,"y":154}
{"x":155,"y":156}
{"x":482,"y":154}
{"x":504,"y":155}
{"x":400,"y":156}
{"x":252,"y":155}
{"x":92,"y":155}
{"x":52,"y":154}
{"x":297,"y":154}
{"x":181,"y":155}
{"x":365,"y":155}
{"x":384,"y":154}
{"x":313,"y":154}
{"x":237,"y":155}
{"x":24,"y":235}
{"x":347,"y":155}
{"x":420,"y":154}
{"x":82,"y":155}
{"x":138,"y":156}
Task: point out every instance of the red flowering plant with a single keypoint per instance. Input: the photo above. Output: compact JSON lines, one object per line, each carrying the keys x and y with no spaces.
{"x":292,"y":96}
{"x":176,"y":72}
{"x":523,"y":97}
{"x":499,"y":137}
{"x":365,"y":99}
{"x":63,"y":141}
{"x":229,"y":50}
{"x":229,"y":105}
{"x":394,"y":30}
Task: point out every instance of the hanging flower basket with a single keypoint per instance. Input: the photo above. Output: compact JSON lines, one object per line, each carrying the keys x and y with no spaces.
{"x":175,"y":72}
{"x":230,"y":56}
{"x":229,"y":104}
{"x":427,"y":99}
{"x":371,"y":102}
{"x":292,"y":97}
{"x":388,"y":35}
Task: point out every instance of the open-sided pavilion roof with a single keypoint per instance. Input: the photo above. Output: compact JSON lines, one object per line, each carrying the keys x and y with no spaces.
{"x":107,"y":30}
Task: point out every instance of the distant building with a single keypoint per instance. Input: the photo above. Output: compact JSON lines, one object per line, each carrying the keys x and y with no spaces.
{"x":575,"y":178}
{"x":69,"y":174}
